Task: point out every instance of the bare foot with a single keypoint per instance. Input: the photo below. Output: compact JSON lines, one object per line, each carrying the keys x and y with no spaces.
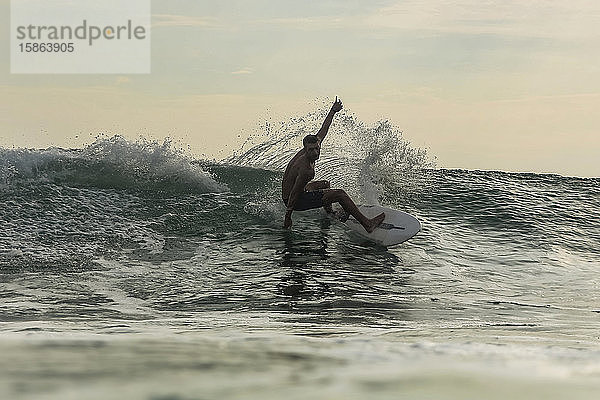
{"x":375,"y":222}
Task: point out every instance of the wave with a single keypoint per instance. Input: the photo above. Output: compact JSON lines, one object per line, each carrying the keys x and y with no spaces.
{"x":113,"y":163}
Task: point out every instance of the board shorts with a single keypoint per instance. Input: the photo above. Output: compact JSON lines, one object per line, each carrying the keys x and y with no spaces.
{"x":308,"y":200}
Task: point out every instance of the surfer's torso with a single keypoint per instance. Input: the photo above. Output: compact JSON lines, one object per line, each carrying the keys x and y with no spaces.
{"x":299,"y":163}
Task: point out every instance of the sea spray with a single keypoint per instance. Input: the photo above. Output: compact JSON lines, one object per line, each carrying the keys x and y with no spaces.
{"x":365,"y":160}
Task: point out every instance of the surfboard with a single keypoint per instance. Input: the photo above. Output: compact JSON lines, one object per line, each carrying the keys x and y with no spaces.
{"x":397,"y":227}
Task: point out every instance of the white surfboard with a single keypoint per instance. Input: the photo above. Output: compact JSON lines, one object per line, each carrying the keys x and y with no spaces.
{"x":397,"y":227}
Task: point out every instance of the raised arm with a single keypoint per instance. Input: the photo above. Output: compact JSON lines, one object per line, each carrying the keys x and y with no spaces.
{"x":337,"y":106}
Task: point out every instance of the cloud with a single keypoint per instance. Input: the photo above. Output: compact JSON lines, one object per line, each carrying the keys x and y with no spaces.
{"x":308,"y":23}
{"x":122,"y":80}
{"x":529,"y":18}
{"x":243,"y":71}
{"x":162,"y":20}
{"x":566,"y":97}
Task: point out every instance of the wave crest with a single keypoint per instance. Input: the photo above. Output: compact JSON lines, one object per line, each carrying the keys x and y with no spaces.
{"x":110,"y":163}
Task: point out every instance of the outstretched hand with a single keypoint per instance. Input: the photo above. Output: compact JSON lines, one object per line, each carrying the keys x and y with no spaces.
{"x":337,"y":105}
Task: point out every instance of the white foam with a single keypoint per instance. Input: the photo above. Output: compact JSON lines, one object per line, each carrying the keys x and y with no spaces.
{"x":137,"y":163}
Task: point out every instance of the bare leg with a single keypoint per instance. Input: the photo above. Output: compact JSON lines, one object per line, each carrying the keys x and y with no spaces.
{"x":339,"y":196}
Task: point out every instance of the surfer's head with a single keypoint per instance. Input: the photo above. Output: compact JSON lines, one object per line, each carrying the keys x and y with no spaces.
{"x":312,"y":147}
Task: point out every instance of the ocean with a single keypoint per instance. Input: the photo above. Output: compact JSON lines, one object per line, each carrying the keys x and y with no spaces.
{"x":131,"y":269}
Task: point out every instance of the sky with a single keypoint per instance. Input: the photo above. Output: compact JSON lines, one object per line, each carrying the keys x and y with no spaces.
{"x":510,"y":85}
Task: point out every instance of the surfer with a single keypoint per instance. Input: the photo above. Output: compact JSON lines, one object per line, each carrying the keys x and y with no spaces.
{"x":299,"y":193}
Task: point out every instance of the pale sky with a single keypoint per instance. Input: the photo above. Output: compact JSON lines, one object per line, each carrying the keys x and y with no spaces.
{"x":509,"y":85}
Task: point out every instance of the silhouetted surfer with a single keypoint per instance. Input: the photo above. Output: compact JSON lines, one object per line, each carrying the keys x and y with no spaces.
{"x":299,"y":193}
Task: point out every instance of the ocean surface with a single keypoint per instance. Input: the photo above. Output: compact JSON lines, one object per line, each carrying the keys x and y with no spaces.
{"x":130,"y":269}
